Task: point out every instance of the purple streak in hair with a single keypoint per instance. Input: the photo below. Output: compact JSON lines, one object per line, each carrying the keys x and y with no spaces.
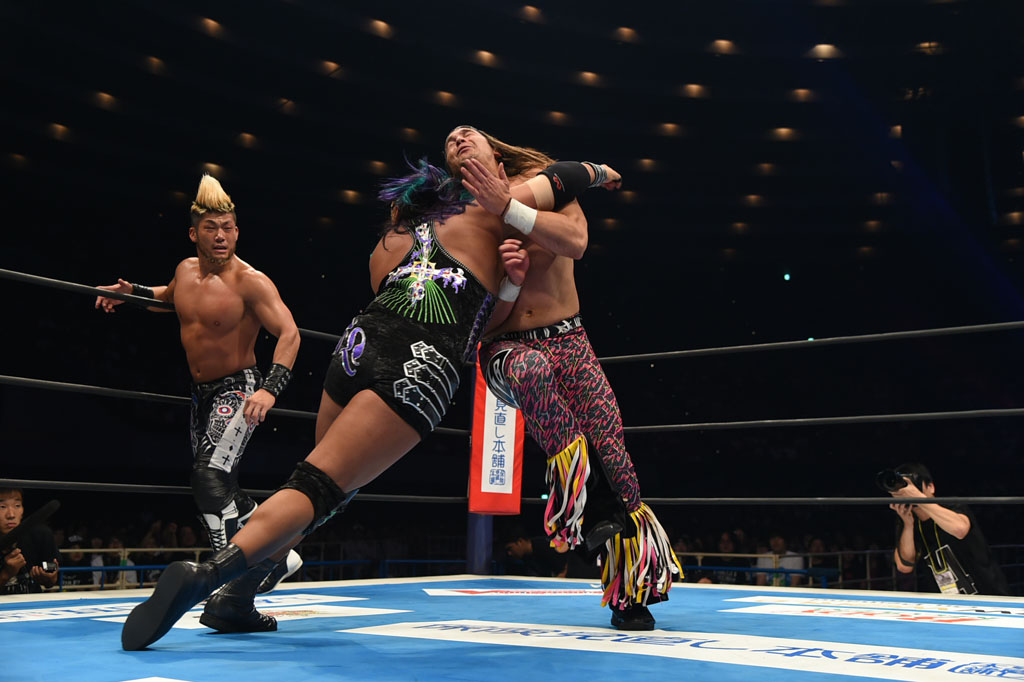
{"x":428,"y":193}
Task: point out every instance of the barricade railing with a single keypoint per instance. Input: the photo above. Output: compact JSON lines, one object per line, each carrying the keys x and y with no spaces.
{"x":869,"y":575}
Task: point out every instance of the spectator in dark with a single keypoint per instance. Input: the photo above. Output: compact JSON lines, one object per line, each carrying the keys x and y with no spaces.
{"x":97,"y":558}
{"x":75,"y":558}
{"x":945,"y":540}
{"x":684,"y":548}
{"x":727,"y":545}
{"x":787,"y":560}
{"x":131,"y":578}
{"x":31,"y":563}
{"x":820,"y":567}
{"x":187,"y":537}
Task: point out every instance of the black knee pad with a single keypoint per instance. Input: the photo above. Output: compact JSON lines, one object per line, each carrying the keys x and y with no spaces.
{"x":212,"y":489}
{"x":328,"y":499}
{"x":223,"y":507}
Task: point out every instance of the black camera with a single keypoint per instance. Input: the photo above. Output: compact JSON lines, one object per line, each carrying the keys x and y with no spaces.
{"x":890,"y":480}
{"x":49,"y":566}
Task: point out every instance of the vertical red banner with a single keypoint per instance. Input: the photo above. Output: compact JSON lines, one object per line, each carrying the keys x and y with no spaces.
{"x":496,"y":457}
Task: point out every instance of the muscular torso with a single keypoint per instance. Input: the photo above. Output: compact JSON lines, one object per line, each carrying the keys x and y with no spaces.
{"x":218,"y":329}
{"x":472,"y":238}
{"x":548,"y":294}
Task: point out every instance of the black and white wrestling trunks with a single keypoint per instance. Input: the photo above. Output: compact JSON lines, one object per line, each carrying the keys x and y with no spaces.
{"x":219,"y":436}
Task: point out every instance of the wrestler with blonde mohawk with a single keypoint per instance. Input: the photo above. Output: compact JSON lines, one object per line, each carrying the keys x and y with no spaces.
{"x":222,"y":302}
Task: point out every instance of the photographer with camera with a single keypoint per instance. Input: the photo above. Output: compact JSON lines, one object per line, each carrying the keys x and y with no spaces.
{"x":946,"y":539}
{"x":31,"y":564}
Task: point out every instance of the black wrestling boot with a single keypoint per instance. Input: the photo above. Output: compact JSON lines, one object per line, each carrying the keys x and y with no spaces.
{"x":183,"y":585}
{"x":605,"y":513}
{"x":231,"y":608}
{"x":636,"y":617}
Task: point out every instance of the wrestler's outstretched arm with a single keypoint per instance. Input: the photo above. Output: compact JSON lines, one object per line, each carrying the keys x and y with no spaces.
{"x":160,"y":293}
{"x":563,"y":232}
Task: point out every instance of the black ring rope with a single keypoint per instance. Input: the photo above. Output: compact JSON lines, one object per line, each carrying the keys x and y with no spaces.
{"x":662,"y":428}
{"x":138,"y":300}
{"x":667,"y":355}
{"x":159,"y":397}
{"x":694,"y":501}
{"x":822,"y":421}
{"x":829,"y":341}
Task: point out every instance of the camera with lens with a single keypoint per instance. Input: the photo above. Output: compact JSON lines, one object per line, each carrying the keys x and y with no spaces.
{"x":49,"y":566}
{"x":890,"y":480}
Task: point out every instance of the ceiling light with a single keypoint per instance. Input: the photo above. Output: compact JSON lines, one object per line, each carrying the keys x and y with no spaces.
{"x":694,"y":90}
{"x":380,"y":28}
{"x":104,"y":100}
{"x":531,"y":13}
{"x":445,"y":98}
{"x":625,"y":34}
{"x":824,"y":51}
{"x":331,"y":69}
{"x":485,"y":58}
{"x":154,"y":65}
{"x":210,"y":27}
{"x":723,"y":47}
{"x":59,"y":131}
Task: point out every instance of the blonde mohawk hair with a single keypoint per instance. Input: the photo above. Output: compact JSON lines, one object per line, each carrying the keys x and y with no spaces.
{"x":212,"y":197}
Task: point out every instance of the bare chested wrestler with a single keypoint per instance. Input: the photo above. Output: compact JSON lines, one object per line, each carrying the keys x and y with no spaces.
{"x":222,"y":302}
{"x":540,"y":360}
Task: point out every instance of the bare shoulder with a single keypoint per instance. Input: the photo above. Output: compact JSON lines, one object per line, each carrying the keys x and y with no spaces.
{"x":187,"y":265}
{"x":251,"y":279}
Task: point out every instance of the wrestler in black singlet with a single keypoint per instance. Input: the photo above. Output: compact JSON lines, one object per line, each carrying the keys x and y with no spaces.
{"x":408,"y":345}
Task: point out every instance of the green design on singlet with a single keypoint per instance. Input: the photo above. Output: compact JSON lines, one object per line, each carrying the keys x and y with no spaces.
{"x":416,"y":293}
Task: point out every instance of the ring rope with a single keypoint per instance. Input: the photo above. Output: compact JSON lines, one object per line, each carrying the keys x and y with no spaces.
{"x":829,"y":341}
{"x":821,"y":421}
{"x":131,"y":298}
{"x":160,"y":397}
{"x":667,"y":355}
{"x":695,"y":501}
{"x":662,"y":428}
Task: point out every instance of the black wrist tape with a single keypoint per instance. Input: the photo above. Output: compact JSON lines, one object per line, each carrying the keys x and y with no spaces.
{"x":277,"y":379}
{"x":569,"y":179}
{"x":141,"y":290}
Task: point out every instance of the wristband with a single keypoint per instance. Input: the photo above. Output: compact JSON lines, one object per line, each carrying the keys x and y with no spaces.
{"x":508,"y":291}
{"x":600,"y":174}
{"x":143,"y":291}
{"x":277,"y":379}
{"x":520,"y":216}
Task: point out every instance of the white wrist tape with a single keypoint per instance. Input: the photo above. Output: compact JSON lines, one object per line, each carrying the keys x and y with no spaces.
{"x":520,"y":216}
{"x":508,"y":291}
